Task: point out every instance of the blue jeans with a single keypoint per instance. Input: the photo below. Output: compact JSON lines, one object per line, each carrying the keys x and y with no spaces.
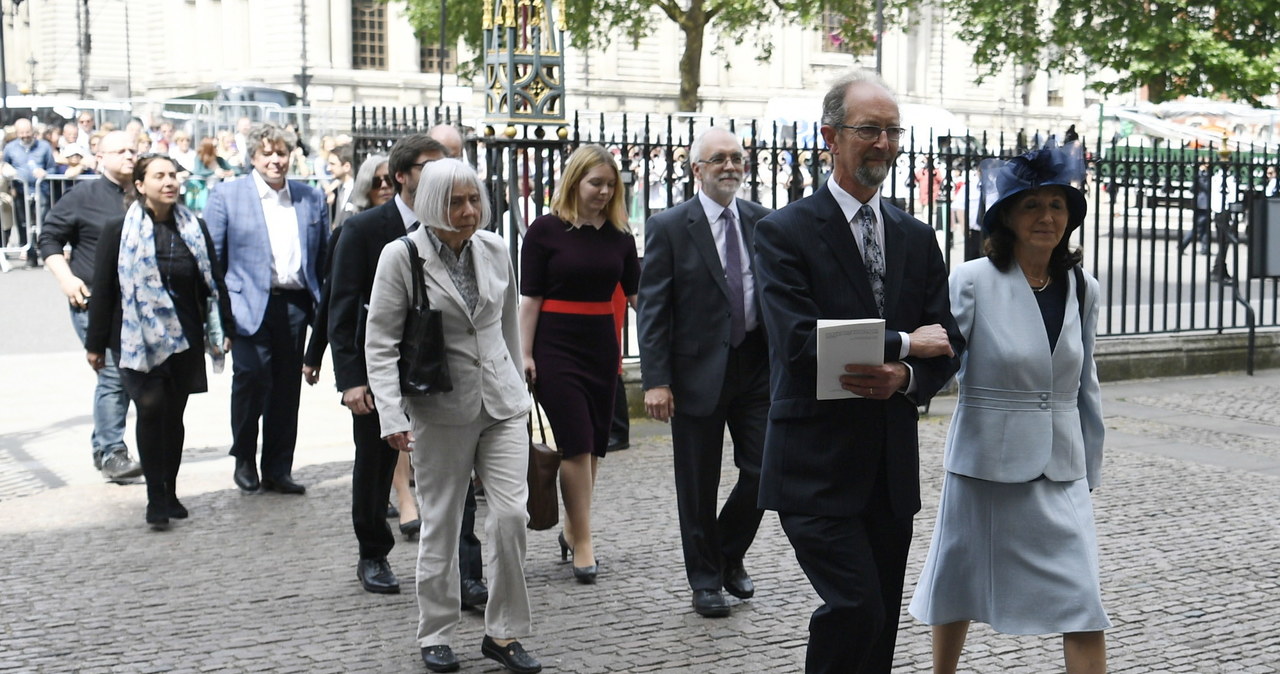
{"x":110,"y":402}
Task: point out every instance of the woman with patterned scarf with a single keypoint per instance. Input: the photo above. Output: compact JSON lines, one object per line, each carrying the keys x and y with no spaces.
{"x":159,"y":303}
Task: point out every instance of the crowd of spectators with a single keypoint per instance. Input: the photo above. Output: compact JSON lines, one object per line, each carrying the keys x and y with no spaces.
{"x":44,"y":159}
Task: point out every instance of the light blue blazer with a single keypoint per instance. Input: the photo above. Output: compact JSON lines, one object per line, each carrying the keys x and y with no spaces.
{"x":1023,"y":411}
{"x":234,"y":216}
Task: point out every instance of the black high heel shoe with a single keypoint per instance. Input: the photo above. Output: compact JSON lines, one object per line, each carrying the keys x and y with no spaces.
{"x":411,"y":529}
{"x":586,"y":574}
{"x":565,"y":549}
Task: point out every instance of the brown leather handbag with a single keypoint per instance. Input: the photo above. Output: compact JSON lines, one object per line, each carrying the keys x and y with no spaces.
{"x":544,"y":468}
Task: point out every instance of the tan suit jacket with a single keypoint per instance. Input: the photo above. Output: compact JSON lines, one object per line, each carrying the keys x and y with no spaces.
{"x":482,"y":347}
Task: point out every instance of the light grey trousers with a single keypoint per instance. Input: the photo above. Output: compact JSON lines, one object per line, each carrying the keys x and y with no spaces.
{"x":443,"y":459}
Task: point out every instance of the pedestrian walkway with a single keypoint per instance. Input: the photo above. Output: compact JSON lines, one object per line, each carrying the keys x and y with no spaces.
{"x":1187,"y":525}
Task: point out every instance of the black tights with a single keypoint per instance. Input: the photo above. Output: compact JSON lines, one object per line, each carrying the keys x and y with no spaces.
{"x":160,"y":432}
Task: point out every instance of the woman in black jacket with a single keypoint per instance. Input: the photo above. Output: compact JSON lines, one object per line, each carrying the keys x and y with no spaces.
{"x":159,"y":302}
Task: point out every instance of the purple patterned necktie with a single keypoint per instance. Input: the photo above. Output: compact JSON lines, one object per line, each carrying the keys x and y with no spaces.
{"x":872,"y":256}
{"x":733,"y":277}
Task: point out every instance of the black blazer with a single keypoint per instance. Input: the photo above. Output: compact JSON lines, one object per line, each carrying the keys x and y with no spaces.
{"x":351,"y":279}
{"x":319,"y":341}
{"x":822,"y":457}
{"x":683,"y":314}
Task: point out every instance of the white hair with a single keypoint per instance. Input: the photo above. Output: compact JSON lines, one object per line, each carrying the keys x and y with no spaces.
{"x":435,"y":189}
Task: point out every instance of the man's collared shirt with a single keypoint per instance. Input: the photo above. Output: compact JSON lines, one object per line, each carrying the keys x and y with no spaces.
{"x":406,"y":213}
{"x":713,"y":212}
{"x":282,"y":230}
{"x":849,"y":206}
{"x":462,"y":269}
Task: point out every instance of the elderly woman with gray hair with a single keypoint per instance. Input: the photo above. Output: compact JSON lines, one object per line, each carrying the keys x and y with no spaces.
{"x":479,"y":425}
{"x":373,"y":185}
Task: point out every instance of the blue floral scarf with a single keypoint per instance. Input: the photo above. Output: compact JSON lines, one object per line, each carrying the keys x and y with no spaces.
{"x":149,"y":328}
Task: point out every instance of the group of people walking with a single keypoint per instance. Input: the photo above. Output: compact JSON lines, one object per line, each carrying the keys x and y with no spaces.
{"x":728,"y":299}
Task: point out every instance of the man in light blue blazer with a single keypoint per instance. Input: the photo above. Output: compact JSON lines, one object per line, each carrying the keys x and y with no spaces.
{"x":269,"y":233}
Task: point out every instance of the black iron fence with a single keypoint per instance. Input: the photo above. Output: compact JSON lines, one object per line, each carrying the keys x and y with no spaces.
{"x":1168,"y":231}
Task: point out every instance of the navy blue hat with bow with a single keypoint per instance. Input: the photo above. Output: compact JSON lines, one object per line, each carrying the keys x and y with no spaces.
{"x":1050,"y":165}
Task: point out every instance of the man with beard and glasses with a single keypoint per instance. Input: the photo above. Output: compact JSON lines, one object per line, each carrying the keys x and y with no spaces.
{"x":705,"y":364}
{"x":843,"y":474}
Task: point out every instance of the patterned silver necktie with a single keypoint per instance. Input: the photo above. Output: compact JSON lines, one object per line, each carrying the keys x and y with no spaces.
{"x":872,"y":256}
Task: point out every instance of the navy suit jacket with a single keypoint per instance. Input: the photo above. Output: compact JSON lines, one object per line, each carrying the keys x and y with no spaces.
{"x":823,"y":457}
{"x":683,"y":311}
{"x":239,"y":230}
{"x":355,"y":260}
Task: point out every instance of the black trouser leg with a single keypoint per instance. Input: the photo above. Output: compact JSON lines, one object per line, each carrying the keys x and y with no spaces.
{"x":470,"y":561}
{"x":856,"y":565}
{"x":747,"y":418}
{"x":289,"y":314}
{"x":371,"y":473}
{"x":160,"y":432}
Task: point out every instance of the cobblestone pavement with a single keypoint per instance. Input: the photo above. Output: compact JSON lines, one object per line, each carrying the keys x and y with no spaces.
{"x":1190,"y":552}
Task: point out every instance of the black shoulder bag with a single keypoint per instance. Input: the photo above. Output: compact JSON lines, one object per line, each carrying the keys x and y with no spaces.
{"x":423,"y":368}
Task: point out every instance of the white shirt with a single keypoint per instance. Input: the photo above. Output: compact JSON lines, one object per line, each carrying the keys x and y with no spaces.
{"x":282,"y":230}
{"x":406,"y":213}
{"x":714,"y":211}
{"x":849,"y":206}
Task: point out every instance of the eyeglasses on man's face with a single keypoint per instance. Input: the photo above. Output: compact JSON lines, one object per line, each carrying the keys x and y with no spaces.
{"x":725,"y":159}
{"x":872,"y":132}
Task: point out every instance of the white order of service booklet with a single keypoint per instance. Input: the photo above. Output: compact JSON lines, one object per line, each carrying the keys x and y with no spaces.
{"x":859,"y":341}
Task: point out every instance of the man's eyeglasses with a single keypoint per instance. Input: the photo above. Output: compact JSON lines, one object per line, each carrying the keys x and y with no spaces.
{"x":872,"y":132}
{"x":725,"y":159}
{"x":380,"y":182}
{"x":123,"y":151}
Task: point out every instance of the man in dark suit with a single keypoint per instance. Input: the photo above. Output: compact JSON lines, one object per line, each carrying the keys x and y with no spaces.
{"x":350,"y":282}
{"x":270,"y":234}
{"x":704,"y":362}
{"x":843,"y":475}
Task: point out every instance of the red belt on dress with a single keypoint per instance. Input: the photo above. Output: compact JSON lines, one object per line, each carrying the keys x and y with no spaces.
{"x":582,"y":308}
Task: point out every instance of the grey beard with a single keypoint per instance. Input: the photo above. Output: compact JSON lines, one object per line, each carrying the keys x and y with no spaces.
{"x":870,"y":176}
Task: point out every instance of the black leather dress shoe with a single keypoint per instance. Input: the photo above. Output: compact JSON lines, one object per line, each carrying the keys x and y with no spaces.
{"x":283,"y":485}
{"x":512,"y":656}
{"x":440,"y":659}
{"x":176,"y":510}
{"x":474,"y":593}
{"x":710,"y":603}
{"x":246,"y":475}
{"x":376,"y":576}
{"x":738,"y":583}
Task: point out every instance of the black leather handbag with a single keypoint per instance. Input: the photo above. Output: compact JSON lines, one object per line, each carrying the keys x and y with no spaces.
{"x":423,"y":367}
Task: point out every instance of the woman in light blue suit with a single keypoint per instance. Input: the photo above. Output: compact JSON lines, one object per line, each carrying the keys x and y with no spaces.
{"x":1015,"y":545}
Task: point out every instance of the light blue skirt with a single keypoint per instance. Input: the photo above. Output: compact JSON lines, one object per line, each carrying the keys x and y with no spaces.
{"x":1021,"y":557}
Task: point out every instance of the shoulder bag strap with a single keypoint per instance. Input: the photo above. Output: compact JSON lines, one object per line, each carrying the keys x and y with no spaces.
{"x":419,"y":283}
{"x":537,"y":411}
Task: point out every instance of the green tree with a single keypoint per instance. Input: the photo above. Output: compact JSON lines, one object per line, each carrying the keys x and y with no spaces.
{"x":593,"y":23}
{"x":1175,"y":48}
